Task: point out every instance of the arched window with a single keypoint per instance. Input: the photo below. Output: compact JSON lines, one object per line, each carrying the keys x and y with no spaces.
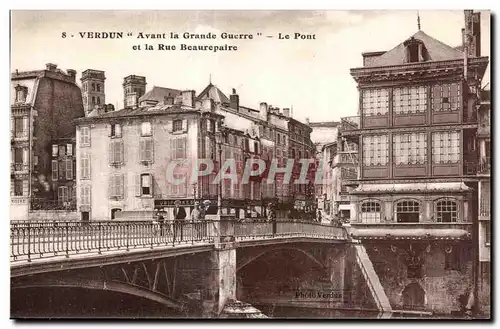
{"x":413,"y":296}
{"x":446,"y":211}
{"x":115,"y":213}
{"x":371,"y":212}
{"x":407,"y":211}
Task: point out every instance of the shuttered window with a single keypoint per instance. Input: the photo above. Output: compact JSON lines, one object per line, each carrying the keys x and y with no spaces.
{"x":85,"y":196}
{"x":85,"y":167}
{"x":116,"y":152}
{"x":116,"y":186}
{"x":54,"y":170}
{"x":84,"y":136}
{"x":69,"y":169}
{"x":146,"y":146}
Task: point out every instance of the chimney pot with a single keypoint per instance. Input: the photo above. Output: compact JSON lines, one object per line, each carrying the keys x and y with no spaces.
{"x":50,"y":67}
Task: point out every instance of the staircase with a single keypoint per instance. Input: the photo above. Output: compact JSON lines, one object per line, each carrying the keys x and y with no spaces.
{"x":373,"y":282}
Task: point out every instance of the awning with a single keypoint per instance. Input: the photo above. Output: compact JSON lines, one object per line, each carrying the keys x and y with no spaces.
{"x":414,"y":233}
{"x":344,"y":207}
{"x":455,"y":187}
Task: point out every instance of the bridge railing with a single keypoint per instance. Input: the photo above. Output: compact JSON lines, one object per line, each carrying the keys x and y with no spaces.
{"x":30,"y":240}
{"x":287,"y":228}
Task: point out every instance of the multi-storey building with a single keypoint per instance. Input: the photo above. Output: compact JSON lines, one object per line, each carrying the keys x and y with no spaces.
{"x":124,"y":155}
{"x":414,"y":202}
{"x":484,"y":196}
{"x":43,"y":106}
{"x":93,"y":92}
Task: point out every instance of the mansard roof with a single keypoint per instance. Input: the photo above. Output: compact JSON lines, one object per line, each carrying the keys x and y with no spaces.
{"x":158,"y":94}
{"x":436,"y":51}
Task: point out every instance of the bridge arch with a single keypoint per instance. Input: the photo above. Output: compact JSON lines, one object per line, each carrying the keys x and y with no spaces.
{"x":99,"y":284}
{"x":252,"y":258}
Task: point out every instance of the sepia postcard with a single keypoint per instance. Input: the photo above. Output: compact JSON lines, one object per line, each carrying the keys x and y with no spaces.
{"x":250,"y":164}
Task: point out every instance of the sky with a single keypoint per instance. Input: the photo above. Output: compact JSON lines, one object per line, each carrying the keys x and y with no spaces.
{"x":311,"y":76}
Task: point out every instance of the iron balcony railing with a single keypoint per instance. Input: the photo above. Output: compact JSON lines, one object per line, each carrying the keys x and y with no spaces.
{"x":45,"y":239}
{"x":20,"y":134}
{"x":19,"y":167}
{"x":346,"y":158}
{"x":350,"y":123}
{"x":44,"y":204}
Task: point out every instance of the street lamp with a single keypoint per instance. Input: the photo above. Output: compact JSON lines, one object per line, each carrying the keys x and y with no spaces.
{"x":219,"y":136}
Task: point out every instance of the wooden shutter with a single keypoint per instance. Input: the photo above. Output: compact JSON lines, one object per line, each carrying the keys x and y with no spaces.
{"x":121,"y":185}
{"x":111,"y":186}
{"x":69,"y":169}
{"x":170,"y":126}
{"x":111,"y":152}
{"x":142,"y":149}
{"x":137,"y":185}
{"x":121,"y":158}
{"x":185,"y":125}
{"x":149,"y":150}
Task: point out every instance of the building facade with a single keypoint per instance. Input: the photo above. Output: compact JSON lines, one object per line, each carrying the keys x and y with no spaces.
{"x":414,"y":202}
{"x":484,"y":196}
{"x":123,"y":155}
{"x":43,"y":106}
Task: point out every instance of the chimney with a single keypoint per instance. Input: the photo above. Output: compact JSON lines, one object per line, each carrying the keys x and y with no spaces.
{"x":50,"y":67}
{"x":234,"y":100}
{"x":263,"y":111}
{"x":188,"y":98}
{"x":72,"y":74}
{"x":470,"y":35}
{"x":168,"y":100}
{"x":286,"y":112}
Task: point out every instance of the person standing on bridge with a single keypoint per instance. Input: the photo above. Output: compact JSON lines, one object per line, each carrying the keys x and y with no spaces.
{"x":271,"y":216}
{"x":161,"y":221}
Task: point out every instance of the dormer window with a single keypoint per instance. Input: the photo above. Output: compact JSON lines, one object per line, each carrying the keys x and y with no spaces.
{"x":415,"y":51}
{"x":21,"y":93}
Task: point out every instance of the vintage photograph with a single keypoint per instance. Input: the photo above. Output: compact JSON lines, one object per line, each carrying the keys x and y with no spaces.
{"x":223,"y":164}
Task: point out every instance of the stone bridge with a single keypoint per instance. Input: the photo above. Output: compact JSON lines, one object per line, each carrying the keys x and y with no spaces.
{"x":193,"y":268}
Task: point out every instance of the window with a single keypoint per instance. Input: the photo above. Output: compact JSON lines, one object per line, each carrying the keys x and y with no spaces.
{"x":69,"y":149}
{"x":487,"y":233}
{"x":412,"y":52}
{"x":93,"y":100}
{"x":375,"y":150}
{"x":484,"y":201}
{"x":370,"y":212}
{"x":62,"y":150}
{"x":19,"y":129}
{"x":84,"y":136}
{"x":146,"y":184}
{"x":98,"y":100}
{"x":146,"y":147}
{"x":179,"y":189}
{"x":446,"y":211}
{"x":445,"y":147}
{"x":452,"y":258}
{"x":98,"y":86}
{"x":69,"y":169}
{"x":407,"y":212}
{"x":410,"y":148}
{"x":177,"y":125}
{"x":62,"y":194}
{"x":85,"y":167}
{"x":178,"y":147}
{"x":116,"y":186}
{"x":146,"y":129}
{"x":116,"y":130}
{"x":375,"y":102}
{"x":256,"y":147}
{"x":18,"y":155}
{"x":62,"y":170}
{"x":409,"y":99}
{"x":18,"y":187}
{"x":85,"y":196}
{"x":55,"y":170}
{"x":115,"y":213}
{"x":445,"y":97}
{"x":116,"y":152}
{"x":93,"y":87}
{"x":279,"y":138}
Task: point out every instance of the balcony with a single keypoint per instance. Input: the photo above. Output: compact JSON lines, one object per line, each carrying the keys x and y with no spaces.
{"x":19,"y":167}
{"x":44,"y":204}
{"x":412,"y":231}
{"x":351,"y":123}
{"x":345,"y":158}
{"x":484,"y":165}
{"x":349,"y":174}
{"x":20,"y":135}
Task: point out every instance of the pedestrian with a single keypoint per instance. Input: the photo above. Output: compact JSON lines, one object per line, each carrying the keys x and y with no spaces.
{"x":161,"y":221}
{"x":179,"y":216}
